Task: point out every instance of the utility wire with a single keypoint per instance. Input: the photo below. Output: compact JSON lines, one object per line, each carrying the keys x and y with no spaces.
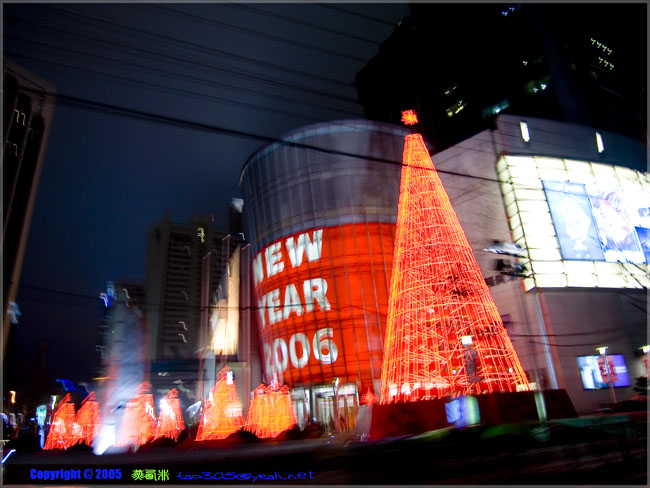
{"x":195,"y":46}
{"x":245,"y":30}
{"x":124,"y":111}
{"x":266,"y":13}
{"x":129,"y":49}
{"x":356,"y":14}
{"x":181,"y":76}
{"x":162,"y":88}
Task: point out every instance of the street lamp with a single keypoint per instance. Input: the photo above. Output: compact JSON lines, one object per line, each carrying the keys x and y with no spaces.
{"x":645,"y":349}
{"x":607,"y":370}
{"x":469,"y":354}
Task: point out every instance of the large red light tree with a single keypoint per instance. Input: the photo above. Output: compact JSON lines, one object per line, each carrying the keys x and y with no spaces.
{"x":444,"y":335}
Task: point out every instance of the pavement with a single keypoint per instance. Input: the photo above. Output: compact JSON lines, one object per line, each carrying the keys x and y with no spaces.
{"x":602,"y":450}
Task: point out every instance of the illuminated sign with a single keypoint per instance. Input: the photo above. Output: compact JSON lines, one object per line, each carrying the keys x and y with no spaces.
{"x":41,"y":413}
{"x":322,"y":299}
{"x":592,"y":368}
{"x":224,"y":320}
{"x":582,"y":224}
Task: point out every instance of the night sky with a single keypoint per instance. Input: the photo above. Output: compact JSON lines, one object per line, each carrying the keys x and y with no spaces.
{"x":260,"y":69}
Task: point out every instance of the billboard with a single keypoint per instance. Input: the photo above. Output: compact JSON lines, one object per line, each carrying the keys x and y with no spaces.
{"x":617,"y":216}
{"x":591,"y":371}
{"x":573,"y":220}
{"x":322,"y":299}
{"x":582,"y":224}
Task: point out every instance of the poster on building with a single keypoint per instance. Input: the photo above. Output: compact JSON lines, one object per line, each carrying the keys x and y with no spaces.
{"x":322,"y":299}
{"x":615,"y":212}
{"x":593,"y":371}
{"x":574,"y":223}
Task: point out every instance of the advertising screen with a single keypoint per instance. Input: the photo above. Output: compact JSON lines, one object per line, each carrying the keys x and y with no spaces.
{"x":591,"y":375}
{"x":581,"y":224}
{"x":322,"y":297}
{"x":617,"y":214}
{"x":573,"y":220}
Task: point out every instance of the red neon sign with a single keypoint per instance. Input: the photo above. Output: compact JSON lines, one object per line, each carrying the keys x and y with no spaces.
{"x":322,"y":298}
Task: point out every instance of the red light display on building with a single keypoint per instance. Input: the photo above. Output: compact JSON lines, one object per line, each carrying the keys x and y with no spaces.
{"x":444,"y":334}
{"x":322,"y":297}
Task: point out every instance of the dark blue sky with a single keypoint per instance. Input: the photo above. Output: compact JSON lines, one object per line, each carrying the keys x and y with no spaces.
{"x":107,"y":178}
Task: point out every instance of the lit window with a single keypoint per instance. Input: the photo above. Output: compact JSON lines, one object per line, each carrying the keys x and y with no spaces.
{"x":455,"y":108}
{"x":599,"y":142}
{"x":525,"y":135}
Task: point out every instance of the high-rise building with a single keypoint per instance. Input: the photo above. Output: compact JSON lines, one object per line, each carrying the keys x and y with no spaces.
{"x":194,"y":306}
{"x":566,"y":62}
{"x":27,"y":113}
{"x":174,"y":283}
{"x":131,"y":293}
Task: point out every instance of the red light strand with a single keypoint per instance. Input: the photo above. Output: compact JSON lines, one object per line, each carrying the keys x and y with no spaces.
{"x":64,"y":432}
{"x":88,"y":418}
{"x":170,"y":417}
{"x":222,"y":413}
{"x":270,"y":412}
{"x":139,"y":421}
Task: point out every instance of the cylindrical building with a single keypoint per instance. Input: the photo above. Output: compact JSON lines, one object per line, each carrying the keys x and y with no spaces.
{"x":320,"y":209}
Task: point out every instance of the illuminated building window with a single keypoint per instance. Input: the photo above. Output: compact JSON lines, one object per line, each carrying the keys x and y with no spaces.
{"x":599,"y":142}
{"x":495,"y":109}
{"x":525,"y":135}
{"x":455,"y":108}
{"x":451,"y":89}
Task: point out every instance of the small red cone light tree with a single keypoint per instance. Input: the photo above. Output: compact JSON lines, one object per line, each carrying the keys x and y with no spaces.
{"x":64,"y":432}
{"x":270,"y":412}
{"x":223,"y":412}
{"x":170,"y":417}
{"x":369,"y":398}
{"x":139,"y":421}
{"x":444,"y":335}
{"x":88,"y":418}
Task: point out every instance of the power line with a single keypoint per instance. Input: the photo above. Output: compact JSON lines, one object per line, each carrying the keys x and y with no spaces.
{"x":124,"y":111}
{"x":275,"y":15}
{"x":245,"y":30}
{"x":356,"y":14}
{"x":195,"y":46}
{"x":167,"y":89}
{"x":178,"y":75}
{"x":129,"y":49}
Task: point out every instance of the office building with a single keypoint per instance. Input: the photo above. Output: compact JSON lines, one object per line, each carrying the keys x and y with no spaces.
{"x":193,"y":291}
{"x":28,"y":106}
{"x":460,"y":65}
{"x":321,"y":215}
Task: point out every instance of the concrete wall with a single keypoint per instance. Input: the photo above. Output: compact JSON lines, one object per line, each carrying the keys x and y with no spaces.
{"x":616,"y":318}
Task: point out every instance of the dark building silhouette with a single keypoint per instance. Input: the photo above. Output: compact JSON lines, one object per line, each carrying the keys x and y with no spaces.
{"x":236,"y":217}
{"x":459,"y":65}
{"x":27,"y":114}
